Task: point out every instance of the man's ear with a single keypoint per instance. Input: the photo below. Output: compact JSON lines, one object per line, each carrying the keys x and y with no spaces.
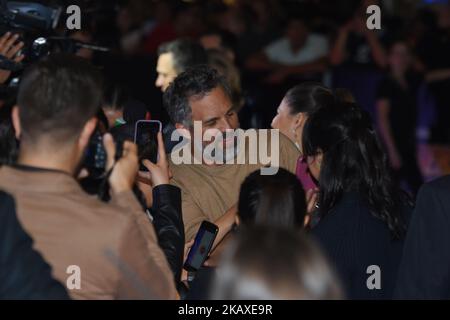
{"x":16,"y":121}
{"x":86,"y":133}
{"x":179,"y":126}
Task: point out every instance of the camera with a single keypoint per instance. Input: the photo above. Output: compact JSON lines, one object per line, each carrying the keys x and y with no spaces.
{"x":29,"y":15}
{"x":37,"y":25}
{"x":33,"y":22}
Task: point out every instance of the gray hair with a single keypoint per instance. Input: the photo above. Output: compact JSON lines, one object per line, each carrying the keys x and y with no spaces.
{"x":195,"y":82}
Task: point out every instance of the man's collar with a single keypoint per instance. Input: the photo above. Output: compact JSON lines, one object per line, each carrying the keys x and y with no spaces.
{"x":27,"y":168}
{"x":29,"y":178}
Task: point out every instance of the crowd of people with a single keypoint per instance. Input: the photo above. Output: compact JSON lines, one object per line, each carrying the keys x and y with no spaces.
{"x":345,"y":215}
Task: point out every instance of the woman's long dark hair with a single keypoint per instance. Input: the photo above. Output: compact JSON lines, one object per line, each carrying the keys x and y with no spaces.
{"x":353,"y":160}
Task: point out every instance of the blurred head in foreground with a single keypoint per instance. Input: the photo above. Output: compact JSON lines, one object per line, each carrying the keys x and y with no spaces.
{"x":266,"y":263}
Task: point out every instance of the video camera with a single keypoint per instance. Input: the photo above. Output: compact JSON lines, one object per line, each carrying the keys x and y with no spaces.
{"x":36,"y":24}
{"x":29,"y":15}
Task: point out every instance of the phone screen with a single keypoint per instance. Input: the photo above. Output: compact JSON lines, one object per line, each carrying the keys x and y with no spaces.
{"x":145,"y":136}
{"x":202,"y":245}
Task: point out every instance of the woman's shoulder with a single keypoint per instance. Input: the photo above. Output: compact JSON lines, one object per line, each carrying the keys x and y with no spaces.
{"x":349,"y":212}
{"x":344,"y":215}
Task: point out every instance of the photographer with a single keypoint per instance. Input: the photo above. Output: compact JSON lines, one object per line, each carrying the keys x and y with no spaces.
{"x":117,"y":254}
{"x":23,"y":272}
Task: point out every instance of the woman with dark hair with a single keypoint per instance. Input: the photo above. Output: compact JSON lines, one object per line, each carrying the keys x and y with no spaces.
{"x":120,"y":108}
{"x":295,"y":108}
{"x":275,"y":200}
{"x":362,"y":214}
{"x":297,"y":105}
{"x":114,"y":101}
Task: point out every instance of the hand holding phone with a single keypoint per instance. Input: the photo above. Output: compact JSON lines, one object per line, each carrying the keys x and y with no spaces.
{"x":145,"y":137}
{"x":125,"y":168}
{"x":159,"y":172}
{"x":154,"y":169}
{"x":202,"y":246}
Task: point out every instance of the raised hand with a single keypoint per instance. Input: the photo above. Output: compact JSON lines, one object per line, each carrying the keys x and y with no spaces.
{"x":9,"y":49}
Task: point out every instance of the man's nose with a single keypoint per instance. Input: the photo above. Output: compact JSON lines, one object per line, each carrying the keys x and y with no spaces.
{"x":158,"y":82}
{"x":225,"y":125}
{"x":273,"y":124}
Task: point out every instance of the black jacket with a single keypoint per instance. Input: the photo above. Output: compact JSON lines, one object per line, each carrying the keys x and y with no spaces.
{"x":355,"y":240}
{"x":168,"y":223}
{"x":425,"y":268}
{"x":23,"y":272}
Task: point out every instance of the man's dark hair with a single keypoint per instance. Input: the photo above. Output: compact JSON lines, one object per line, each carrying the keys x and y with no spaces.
{"x":186,"y":53}
{"x":194,"y":82}
{"x":57,"y":96}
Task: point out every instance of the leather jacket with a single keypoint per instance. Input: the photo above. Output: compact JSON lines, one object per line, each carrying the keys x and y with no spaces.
{"x":169,"y":227}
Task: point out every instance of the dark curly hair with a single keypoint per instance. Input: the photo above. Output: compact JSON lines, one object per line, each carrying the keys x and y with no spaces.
{"x":194,"y":82}
{"x":353,"y":160}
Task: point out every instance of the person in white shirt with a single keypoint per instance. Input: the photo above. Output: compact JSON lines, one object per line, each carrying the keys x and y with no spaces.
{"x":299,"y":51}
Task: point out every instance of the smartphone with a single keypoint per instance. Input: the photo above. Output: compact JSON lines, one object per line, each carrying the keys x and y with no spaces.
{"x":95,"y":157}
{"x":145,"y":137}
{"x":202,"y":246}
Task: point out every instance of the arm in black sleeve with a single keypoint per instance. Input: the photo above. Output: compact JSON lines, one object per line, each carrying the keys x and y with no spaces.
{"x":168,"y":223}
{"x":24,"y":274}
{"x":425,"y":268}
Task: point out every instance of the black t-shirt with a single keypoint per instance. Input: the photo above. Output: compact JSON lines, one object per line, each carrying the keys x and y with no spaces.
{"x":403,"y":108}
{"x":359,"y":53}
